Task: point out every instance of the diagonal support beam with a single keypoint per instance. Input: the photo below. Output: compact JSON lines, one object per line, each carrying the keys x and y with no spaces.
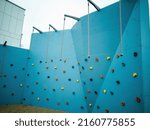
{"x":96,"y":6}
{"x":53,"y":28}
{"x":37,"y":30}
{"x":73,"y":17}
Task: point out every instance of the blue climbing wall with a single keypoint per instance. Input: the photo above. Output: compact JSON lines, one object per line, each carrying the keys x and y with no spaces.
{"x":73,"y":82}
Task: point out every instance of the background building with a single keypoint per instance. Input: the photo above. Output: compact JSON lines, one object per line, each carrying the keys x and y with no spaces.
{"x":11,"y":23}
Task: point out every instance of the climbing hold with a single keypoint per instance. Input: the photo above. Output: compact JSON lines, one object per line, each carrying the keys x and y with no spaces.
{"x":121,"y":54}
{"x":91,"y":79}
{"x":98,"y":107}
{"x":84,"y":83}
{"x":24,"y":99}
{"x":73,"y":93}
{"x":62,"y":88}
{"x":11,"y":65}
{"x":108,"y":58}
{"x":91,"y":68}
{"x":123,"y":104}
{"x":28,"y":75}
{"x":27,"y":86}
{"x":36,"y":83}
{"x":5,"y":75}
{"x":117,"y":55}
{"x":46,"y":67}
{"x":111,"y":93}
{"x":64,"y":71}
{"x":29,"y":58}
{"x":15,"y":77}
{"x":118,"y":82}
{"x":96,"y":59}
{"x":112,"y":70}
{"x":32,"y":93}
{"x":73,"y":67}
{"x":138,"y":100}
{"x":78,"y":81}
{"x":89,"y":91}
{"x":4,"y":86}
{"x":56,"y":79}
{"x":86,"y":60}
{"x":69,"y":79}
{"x":135,"y":75}
{"x":38,"y":99}
{"x":67,"y":103}
{"x":90,"y":105}
{"x":21,"y":85}
{"x":101,"y":76}
{"x":51,"y":60}
{"x":89,"y":57}
{"x":48,"y":77}
{"x":65,"y":61}
{"x":135,"y":54}
{"x":47,"y":99}
{"x":85,"y":97}
{"x":78,"y":63}
{"x":38,"y":73}
{"x":83,"y":67}
{"x":60,"y":60}
{"x":23,"y":68}
{"x":45,"y":88}
{"x":55,"y":68}
{"x":105,"y":91}
{"x":40,"y":61}
{"x":12,"y":94}
{"x":106,"y":110}
{"x":54,"y":90}
{"x":123,"y":64}
{"x":82,"y":107}
{"x":33,"y":65}
{"x":95,"y":92}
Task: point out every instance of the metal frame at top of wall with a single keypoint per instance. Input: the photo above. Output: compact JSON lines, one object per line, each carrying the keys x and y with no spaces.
{"x":15,"y":5}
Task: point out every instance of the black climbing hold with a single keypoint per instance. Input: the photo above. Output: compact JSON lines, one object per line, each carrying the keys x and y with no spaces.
{"x":91,"y":79}
{"x":60,"y":60}
{"x":23,"y":68}
{"x":112,"y":93}
{"x":54,"y":90}
{"x":82,"y":107}
{"x":38,"y":73}
{"x":89,"y":57}
{"x":85,"y":97}
{"x":73,"y":93}
{"x":51,"y":60}
{"x":86,"y":60}
{"x":11,"y":65}
{"x":95,"y":92}
{"x":123,"y":64}
{"x":12,"y":94}
{"x":48,"y":77}
{"x":58,"y":103}
{"x":69,"y":79}
{"x":118,"y":82}
{"x":27,"y":86}
{"x":32,"y":93}
{"x":135,"y":54}
{"x":5,"y":75}
{"x":28,"y":75}
{"x":4,"y":86}
{"x":121,"y":54}
{"x":73,"y":67}
{"x":112,"y":70}
{"x":106,"y":110}
{"x":15,"y":77}
{"x":24,"y":99}
{"x":64,"y":71}
{"x":67,"y":103}
{"x":84,"y":83}
{"x":83,"y":67}
{"x":47,"y":99}
{"x":40,"y":61}
{"x":98,"y":107}
{"x":36,"y":83}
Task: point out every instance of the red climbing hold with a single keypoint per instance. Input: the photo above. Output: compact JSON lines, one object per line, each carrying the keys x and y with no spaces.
{"x":46,"y":67}
{"x":138,"y":100}
{"x":101,"y":76}
{"x":65,"y":61}
{"x":123,"y":104}
{"x":117,"y":55}
{"x":96,"y":59}
{"x":89,"y":91}
{"x":36,"y":83}
{"x":112,"y":70}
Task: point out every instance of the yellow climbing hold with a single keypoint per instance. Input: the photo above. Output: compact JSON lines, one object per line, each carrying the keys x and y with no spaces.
{"x":91,"y":68}
{"x":105,"y":91}
{"x":62,"y":88}
{"x":108,"y":58}
{"x":134,"y":75}
{"x":90,"y":105}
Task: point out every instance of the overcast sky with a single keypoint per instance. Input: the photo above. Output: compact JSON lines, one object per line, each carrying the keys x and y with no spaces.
{"x":40,"y":13}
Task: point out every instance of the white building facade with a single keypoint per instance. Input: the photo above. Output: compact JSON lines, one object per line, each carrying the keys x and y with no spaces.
{"x":11,"y":23}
